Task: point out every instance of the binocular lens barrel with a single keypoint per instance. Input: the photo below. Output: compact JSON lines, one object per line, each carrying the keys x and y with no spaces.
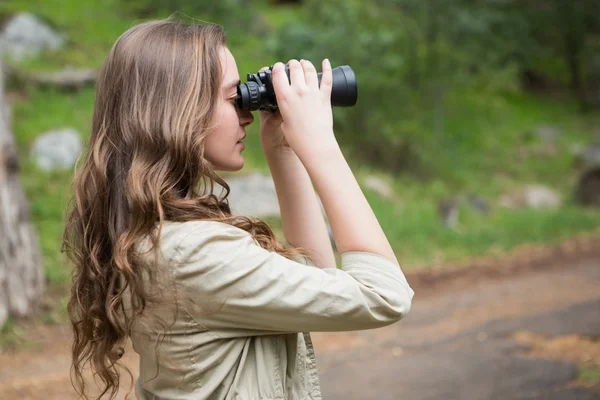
{"x":258,"y":93}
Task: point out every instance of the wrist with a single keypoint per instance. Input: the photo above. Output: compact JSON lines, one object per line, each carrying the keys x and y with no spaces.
{"x":273,"y":152}
{"x":274,"y":144}
{"x":317,"y":155}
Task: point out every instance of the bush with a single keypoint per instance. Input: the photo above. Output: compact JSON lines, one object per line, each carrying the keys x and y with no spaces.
{"x":409,"y":57}
{"x":234,"y":15}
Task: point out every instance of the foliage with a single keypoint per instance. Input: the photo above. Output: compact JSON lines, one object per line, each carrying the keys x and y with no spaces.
{"x":568,"y":31}
{"x":233,"y":14}
{"x":412,"y":57}
{"x":466,"y":139}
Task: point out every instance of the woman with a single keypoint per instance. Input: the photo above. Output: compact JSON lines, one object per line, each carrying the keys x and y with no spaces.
{"x":215,"y":306}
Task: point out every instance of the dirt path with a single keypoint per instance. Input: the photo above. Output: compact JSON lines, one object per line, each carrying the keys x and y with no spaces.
{"x":472,"y":343}
{"x":461,"y":342}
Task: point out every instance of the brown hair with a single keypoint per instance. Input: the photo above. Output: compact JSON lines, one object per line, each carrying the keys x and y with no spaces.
{"x":156,"y":95}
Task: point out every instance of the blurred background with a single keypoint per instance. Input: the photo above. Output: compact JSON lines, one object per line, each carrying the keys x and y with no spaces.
{"x":476,"y":133}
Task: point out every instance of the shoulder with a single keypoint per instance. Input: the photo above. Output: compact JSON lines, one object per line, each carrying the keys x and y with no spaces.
{"x":210,"y":230}
{"x":179,"y":239}
{"x":195,"y":237}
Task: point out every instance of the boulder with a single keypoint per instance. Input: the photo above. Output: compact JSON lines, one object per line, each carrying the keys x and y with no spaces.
{"x":253,"y":195}
{"x":532,"y":196}
{"x":57,"y":149}
{"x":27,"y":36}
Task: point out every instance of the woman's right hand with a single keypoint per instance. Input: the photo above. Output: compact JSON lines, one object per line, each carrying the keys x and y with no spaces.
{"x":308,"y":128}
{"x":305,"y":107}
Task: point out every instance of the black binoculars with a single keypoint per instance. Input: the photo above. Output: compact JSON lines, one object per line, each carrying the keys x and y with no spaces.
{"x":258,"y":92}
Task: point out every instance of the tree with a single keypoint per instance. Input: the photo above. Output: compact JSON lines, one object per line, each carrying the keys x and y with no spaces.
{"x":411,"y":58}
{"x":21,"y":275}
{"x":568,"y":30}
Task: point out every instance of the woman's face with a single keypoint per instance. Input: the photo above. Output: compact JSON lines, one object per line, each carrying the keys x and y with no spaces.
{"x":222,"y":146}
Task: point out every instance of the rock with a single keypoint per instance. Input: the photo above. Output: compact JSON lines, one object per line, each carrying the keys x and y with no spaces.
{"x":540,"y":197}
{"x":26,"y":36}
{"x":588,"y":157}
{"x":67,"y":78}
{"x":448,"y":211}
{"x":587,"y":191}
{"x":57,"y":149}
{"x":253,"y":195}
{"x":380,"y":186}
{"x":587,"y":161}
{"x":478,"y":204}
{"x":547,"y":133}
{"x":532,"y":196}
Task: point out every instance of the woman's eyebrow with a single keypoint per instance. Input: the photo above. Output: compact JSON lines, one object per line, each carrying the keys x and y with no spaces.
{"x":232,"y":84}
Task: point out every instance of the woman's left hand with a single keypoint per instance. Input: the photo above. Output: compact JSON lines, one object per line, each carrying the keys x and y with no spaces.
{"x":271,"y":135}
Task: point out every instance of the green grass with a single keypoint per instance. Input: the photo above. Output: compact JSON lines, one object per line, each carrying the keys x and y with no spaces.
{"x":483,"y":136}
{"x":477,"y":152}
{"x":590,"y":375}
{"x":10,"y":334}
{"x":91,"y":27}
{"x":418,"y":237}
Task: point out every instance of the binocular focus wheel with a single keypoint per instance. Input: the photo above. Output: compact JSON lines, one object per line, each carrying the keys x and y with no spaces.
{"x":254,"y":95}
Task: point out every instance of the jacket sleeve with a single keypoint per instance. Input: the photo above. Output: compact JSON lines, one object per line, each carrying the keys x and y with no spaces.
{"x":226,"y":280}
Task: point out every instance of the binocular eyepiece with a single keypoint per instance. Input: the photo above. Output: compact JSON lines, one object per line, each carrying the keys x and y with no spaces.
{"x":258,"y":92}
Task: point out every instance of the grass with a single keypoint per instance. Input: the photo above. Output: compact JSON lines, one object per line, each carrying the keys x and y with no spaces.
{"x":90,"y":27}
{"x":418,"y":237}
{"x":590,"y":375}
{"x":477,"y":153}
{"x":480,"y":155}
{"x":10,"y":334}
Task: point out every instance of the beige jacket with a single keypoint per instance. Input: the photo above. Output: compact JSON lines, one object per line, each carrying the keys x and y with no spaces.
{"x":238,"y":322}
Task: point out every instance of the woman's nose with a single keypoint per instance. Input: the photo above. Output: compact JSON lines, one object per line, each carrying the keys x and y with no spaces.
{"x":246,"y":118}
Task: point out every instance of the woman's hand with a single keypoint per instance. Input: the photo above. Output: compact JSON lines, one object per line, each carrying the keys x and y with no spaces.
{"x":305,"y":108}
{"x":271,"y":135}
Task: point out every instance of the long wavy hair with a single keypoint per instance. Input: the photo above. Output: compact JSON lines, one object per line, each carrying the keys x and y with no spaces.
{"x":143,"y":164}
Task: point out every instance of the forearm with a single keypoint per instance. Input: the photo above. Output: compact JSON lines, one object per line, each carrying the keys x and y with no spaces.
{"x":301,"y":215}
{"x":354,"y":224}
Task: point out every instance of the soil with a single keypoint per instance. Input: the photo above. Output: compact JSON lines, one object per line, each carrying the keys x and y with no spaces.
{"x":520,"y":327}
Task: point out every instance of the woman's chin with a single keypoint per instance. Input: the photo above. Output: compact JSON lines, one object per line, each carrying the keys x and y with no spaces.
{"x":232,"y":167}
{"x":239,"y":167}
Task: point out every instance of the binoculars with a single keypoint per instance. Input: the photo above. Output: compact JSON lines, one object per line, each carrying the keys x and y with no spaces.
{"x":258,"y":92}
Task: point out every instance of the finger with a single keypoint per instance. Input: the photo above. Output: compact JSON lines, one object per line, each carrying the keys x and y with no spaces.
{"x":281,"y":84}
{"x":310,"y":74}
{"x":326,"y":79}
{"x":263,"y":69}
{"x":296,"y":74}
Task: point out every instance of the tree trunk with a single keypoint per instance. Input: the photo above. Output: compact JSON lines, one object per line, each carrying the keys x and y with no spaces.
{"x":21,"y":275}
{"x":572,"y":17}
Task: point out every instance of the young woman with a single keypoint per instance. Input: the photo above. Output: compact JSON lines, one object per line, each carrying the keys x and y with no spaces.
{"x":214,"y":305}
